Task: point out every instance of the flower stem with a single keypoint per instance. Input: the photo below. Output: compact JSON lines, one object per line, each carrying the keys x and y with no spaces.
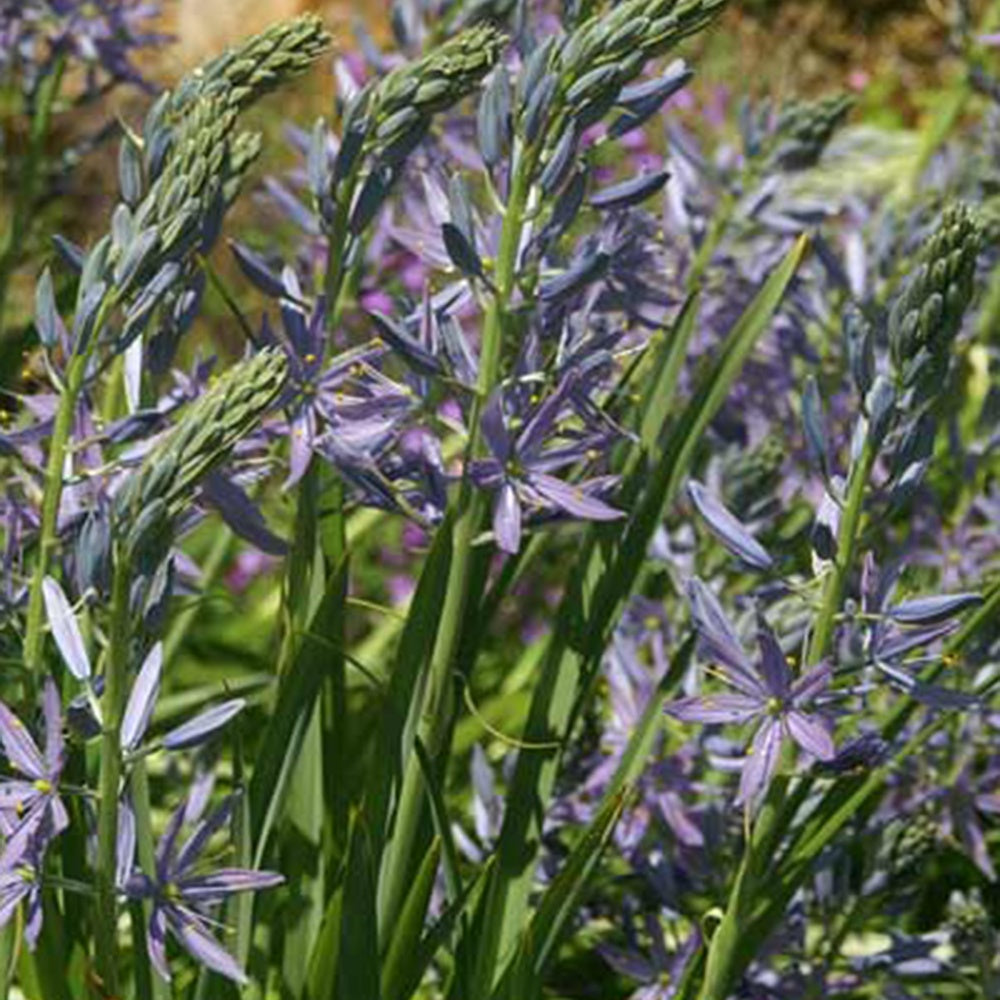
{"x":435,"y":721}
{"x":116,"y":665}
{"x":850,"y":523}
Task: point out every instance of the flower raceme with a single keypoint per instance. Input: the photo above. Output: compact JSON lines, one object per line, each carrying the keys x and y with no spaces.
{"x":766,"y":694}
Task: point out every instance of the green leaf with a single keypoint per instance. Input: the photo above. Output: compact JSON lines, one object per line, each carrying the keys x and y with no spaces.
{"x":558,"y":906}
{"x":283,"y":737}
{"x":397,"y":969}
{"x":357,"y":975}
{"x":605,"y":576}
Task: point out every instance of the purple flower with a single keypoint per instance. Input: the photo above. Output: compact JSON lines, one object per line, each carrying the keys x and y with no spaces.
{"x":766,"y":694}
{"x":30,"y":805}
{"x":519,"y":473}
{"x":184,"y":898}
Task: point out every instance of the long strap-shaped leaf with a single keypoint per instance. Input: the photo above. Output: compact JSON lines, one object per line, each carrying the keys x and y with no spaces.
{"x":605,"y":578}
{"x":523,"y":977}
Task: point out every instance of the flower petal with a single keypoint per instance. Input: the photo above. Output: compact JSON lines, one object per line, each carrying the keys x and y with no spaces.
{"x":718,"y":708}
{"x":572,"y":500}
{"x":933,"y":610}
{"x":718,"y":638}
{"x":65,"y":630}
{"x":142,"y":700}
{"x":54,"y":740}
{"x":19,"y":747}
{"x":773,"y":666}
{"x":204,"y":725}
{"x":188,"y":928}
{"x":727,"y":529}
{"x":507,"y":519}
{"x":812,"y":733}
{"x":761,"y":761}
{"x":217,"y":885}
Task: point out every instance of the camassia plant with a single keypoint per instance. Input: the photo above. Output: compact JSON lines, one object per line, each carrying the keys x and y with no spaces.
{"x":517,"y":463}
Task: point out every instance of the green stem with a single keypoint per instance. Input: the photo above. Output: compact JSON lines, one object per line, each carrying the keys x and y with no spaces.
{"x":76,"y":373}
{"x":147,"y":984}
{"x":437,"y":697}
{"x":850,"y":523}
{"x":112,"y":701}
{"x":27,"y":187}
{"x":47,"y":539}
{"x":724,"y":955}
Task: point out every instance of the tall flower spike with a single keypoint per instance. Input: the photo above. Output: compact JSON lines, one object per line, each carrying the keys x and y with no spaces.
{"x":203,"y":438}
{"x":927,"y":314}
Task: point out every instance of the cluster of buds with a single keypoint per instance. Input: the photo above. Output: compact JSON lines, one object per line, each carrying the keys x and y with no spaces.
{"x":915,"y":842}
{"x":203,"y":438}
{"x":805,"y":128}
{"x":927,"y":314}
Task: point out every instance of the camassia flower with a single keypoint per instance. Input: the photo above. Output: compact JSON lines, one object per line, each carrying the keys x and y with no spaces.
{"x":183,"y":898}
{"x":30,"y":804}
{"x":766,"y":693}
{"x":519,"y":471}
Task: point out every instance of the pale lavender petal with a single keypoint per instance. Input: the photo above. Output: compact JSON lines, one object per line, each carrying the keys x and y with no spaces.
{"x":812,"y":733}
{"x":204,"y":725}
{"x":718,"y":708}
{"x":302,"y":436}
{"x":188,"y":929}
{"x":933,"y":610}
{"x":572,"y":500}
{"x":727,"y":529}
{"x":899,"y":645}
{"x":65,"y":630}
{"x":142,"y":700}
{"x":54,"y":740}
{"x":773,"y":665}
{"x":21,"y":841}
{"x":224,"y":882}
{"x":13,"y":888}
{"x":125,"y":849}
{"x":507,"y":519}
{"x":761,"y":761}
{"x":17,"y":796}
{"x":811,"y":684}
{"x":19,"y":746}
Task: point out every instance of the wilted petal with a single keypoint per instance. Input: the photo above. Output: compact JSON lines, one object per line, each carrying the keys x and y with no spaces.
{"x":727,"y":529}
{"x":933,"y":610}
{"x":761,"y":760}
{"x":507,"y":519}
{"x":203,"y":726}
{"x":714,"y":709}
{"x":65,"y":630}
{"x":19,"y":746}
{"x":812,"y":733}
{"x":189,"y":930}
{"x":142,"y":700}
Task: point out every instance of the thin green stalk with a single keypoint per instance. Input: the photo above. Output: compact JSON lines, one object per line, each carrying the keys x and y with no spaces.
{"x":47,"y":538}
{"x":112,"y":702}
{"x":850,"y":523}
{"x":27,"y":187}
{"x":437,"y":695}
{"x":153,"y":985}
